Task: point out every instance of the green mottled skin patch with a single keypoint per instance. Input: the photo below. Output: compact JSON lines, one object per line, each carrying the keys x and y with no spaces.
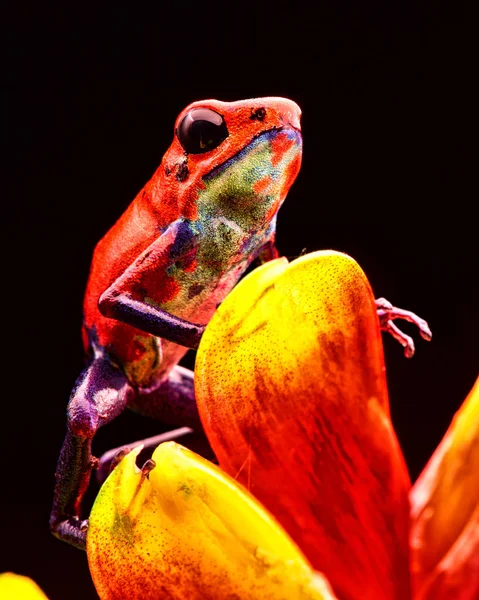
{"x":146,"y":361}
{"x":230,"y":194}
{"x":231,"y":225}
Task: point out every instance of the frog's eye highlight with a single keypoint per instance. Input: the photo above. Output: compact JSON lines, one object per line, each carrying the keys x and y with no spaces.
{"x":201,"y":130}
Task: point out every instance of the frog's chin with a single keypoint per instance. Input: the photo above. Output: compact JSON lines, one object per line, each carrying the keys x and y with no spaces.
{"x":249,"y":188}
{"x":266,"y":153}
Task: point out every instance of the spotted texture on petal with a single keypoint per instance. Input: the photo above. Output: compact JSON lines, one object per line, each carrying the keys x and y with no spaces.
{"x":189,"y":532}
{"x":19,"y":587}
{"x":291,"y":390}
{"x":445,"y":513}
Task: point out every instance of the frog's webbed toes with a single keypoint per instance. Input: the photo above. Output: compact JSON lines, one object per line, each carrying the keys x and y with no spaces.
{"x":387,"y":313}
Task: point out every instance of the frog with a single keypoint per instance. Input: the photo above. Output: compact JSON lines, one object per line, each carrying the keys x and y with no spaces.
{"x":208,"y":212}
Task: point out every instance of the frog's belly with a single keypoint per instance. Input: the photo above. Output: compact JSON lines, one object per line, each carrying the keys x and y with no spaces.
{"x":150,"y":359}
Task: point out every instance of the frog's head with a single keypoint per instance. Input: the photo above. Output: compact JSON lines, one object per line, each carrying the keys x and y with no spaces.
{"x":234,"y":160}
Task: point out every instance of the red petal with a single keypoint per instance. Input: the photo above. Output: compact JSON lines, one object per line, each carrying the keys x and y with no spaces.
{"x":291,"y":388}
{"x":445,"y":513}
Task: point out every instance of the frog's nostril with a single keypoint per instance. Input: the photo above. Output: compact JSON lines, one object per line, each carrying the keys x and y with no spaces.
{"x":258,"y":114}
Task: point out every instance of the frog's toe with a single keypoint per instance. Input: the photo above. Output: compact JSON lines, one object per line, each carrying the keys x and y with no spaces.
{"x":387,"y":313}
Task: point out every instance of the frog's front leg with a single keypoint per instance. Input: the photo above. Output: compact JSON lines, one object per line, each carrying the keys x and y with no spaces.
{"x":152,"y":320}
{"x":100,"y":394}
{"x":124,"y":299}
{"x":387,"y":313}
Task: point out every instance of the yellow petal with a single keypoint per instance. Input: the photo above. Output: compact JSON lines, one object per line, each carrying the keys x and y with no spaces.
{"x":291,"y":390}
{"x":445,"y":512}
{"x":190,"y":532}
{"x":19,"y":587}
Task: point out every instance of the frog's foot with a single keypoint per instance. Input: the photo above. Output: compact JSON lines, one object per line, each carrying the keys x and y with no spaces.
{"x":387,"y":313}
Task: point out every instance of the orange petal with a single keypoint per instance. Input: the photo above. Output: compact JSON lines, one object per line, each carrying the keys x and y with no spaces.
{"x":445,"y":512}
{"x":291,"y":389}
{"x":189,"y":532}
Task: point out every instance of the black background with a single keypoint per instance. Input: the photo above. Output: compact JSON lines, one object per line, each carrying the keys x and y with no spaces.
{"x":387,"y":177}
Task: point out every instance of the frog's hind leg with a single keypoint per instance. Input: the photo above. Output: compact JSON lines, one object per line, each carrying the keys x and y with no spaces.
{"x":172,"y":402}
{"x":100,"y":394}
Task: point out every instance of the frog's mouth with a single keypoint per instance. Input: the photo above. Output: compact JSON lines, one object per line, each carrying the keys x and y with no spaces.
{"x":267,"y":154}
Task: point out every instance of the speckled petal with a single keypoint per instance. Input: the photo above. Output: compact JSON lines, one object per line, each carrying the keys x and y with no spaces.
{"x":191,"y":532}
{"x":291,"y":389}
{"x":19,"y":587}
{"x":445,"y":513}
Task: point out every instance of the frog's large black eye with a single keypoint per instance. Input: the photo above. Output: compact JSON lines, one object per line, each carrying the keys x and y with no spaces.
{"x":201,"y":130}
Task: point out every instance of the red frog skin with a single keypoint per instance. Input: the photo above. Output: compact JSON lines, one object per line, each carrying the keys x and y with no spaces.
{"x":159,"y":273}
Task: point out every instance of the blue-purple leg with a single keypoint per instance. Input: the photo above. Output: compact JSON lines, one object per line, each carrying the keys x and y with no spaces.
{"x":150,"y":319}
{"x":172,"y":402}
{"x":100,"y":394}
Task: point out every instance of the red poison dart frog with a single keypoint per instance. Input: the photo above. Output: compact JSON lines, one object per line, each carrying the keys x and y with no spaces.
{"x":157,"y":276}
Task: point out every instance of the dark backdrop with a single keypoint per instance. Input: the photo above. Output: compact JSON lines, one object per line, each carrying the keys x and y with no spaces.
{"x":90,"y":103}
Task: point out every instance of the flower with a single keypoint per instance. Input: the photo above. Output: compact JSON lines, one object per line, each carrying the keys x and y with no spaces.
{"x":19,"y":587}
{"x":190,"y":531}
{"x":291,"y":388}
{"x":445,"y":512}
